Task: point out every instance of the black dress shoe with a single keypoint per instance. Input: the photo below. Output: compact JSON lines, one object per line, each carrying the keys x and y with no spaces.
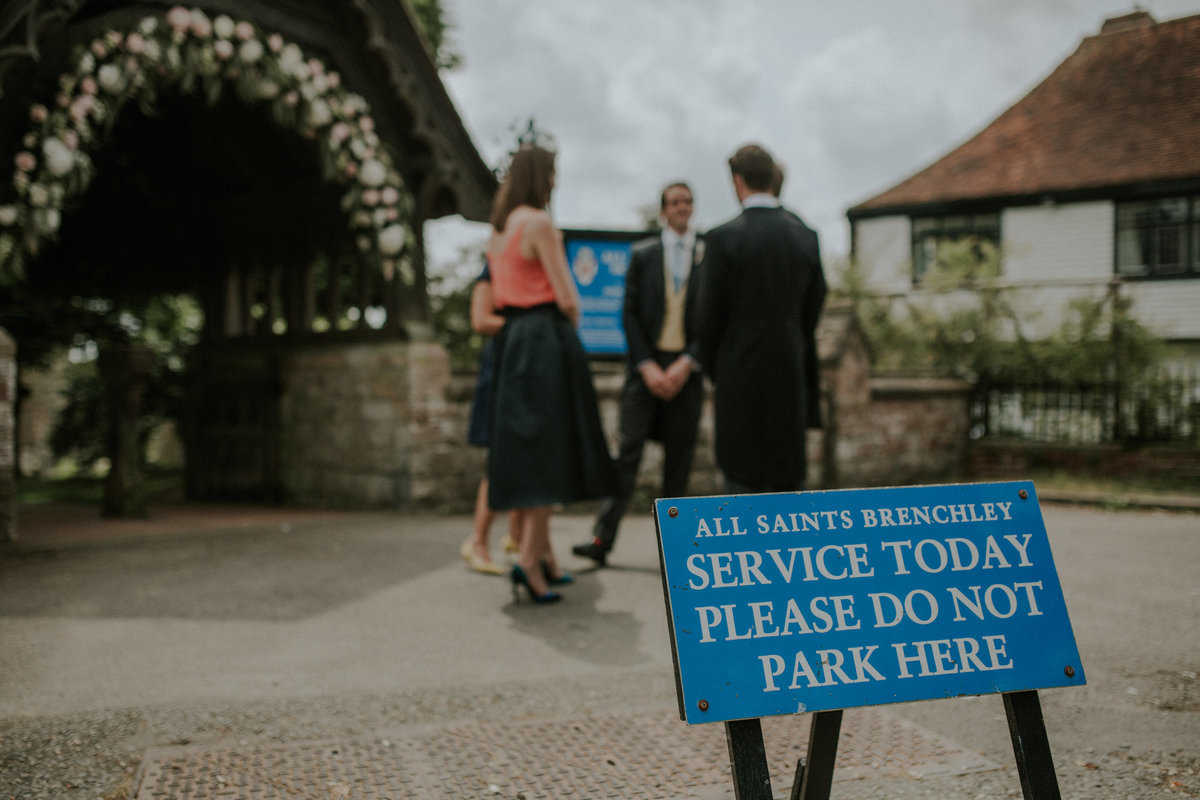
{"x":593,"y":550}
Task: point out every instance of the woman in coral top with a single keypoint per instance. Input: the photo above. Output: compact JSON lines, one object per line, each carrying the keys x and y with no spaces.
{"x":547,"y":443}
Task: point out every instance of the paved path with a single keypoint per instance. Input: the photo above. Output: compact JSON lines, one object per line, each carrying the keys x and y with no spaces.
{"x":277,"y":627}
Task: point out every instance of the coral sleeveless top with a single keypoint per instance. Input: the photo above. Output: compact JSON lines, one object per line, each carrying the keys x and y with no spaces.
{"x":519,"y":282}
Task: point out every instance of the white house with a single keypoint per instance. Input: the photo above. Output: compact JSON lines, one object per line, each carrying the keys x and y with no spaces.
{"x":1090,"y":184}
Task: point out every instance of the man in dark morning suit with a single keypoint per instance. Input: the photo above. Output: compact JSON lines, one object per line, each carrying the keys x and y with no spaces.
{"x":761,"y":298}
{"x":663,"y":391}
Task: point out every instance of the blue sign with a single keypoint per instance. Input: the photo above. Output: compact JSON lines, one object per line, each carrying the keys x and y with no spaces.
{"x":598,"y":262}
{"x":812,"y":601}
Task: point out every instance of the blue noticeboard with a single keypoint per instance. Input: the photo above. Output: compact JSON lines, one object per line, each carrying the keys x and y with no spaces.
{"x":812,"y":601}
{"x":598,"y":261}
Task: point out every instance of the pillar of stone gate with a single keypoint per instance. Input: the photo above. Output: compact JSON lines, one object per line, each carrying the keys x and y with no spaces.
{"x":8,"y":436}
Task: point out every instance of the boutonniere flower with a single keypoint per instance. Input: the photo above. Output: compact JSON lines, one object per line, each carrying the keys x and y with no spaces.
{"x":698,"y":252}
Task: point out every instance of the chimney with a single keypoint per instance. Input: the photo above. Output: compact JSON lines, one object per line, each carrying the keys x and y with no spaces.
{"x":1128,"y":22}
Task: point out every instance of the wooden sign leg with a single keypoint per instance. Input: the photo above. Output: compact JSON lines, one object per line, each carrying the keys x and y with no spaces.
{"x":814,"y":780}
{"x":1031,"y":746}
{"x":748,"y":759}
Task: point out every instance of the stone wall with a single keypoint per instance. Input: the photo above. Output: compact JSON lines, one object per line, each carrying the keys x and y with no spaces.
{"x":879,"y":430}
{"x":8,"y":434}
{"x":377,"y":424}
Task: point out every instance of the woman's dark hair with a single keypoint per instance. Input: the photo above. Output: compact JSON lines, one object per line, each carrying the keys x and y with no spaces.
{"x":528,"y":182}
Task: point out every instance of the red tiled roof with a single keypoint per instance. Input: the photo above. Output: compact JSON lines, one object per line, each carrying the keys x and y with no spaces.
{"x":1123,"y":108}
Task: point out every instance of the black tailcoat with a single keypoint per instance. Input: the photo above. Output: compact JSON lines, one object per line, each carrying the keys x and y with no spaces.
{"x":762,"y":295}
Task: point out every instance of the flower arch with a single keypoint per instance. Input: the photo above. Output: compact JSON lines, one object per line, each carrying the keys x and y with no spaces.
{"x":199,"y":55}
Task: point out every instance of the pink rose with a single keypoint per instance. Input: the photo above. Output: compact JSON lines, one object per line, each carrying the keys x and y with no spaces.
{"x":179,"y":18}
{"x":315,"y":65}
{"x":335,"y":80}
{"x":275,"y":42}
{"x":291,"y":98}
{"x":366,"y":123}
{"x":370,"y":197}
{"x":88,"y":85}
{"x":244,"y":31}
{"x":99,"y":49}
{"x":26,"y":161}
{"x":81,"y":107}
{"x":135,"y":43}
{"x":223,"y":49}
{"x":201,"y":26}
{"x":70,"y":139}
{"x":38,"y":112}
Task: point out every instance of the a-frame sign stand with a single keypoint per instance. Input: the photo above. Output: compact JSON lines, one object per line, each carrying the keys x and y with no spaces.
{"x":814,"y":774}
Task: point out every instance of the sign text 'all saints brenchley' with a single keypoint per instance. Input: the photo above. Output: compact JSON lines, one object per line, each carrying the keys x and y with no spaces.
{"x":794,"y":602}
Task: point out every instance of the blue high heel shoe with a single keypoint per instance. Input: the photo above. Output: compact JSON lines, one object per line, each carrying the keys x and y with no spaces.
{"x":563,"y":579}
{"x":519,"y":578}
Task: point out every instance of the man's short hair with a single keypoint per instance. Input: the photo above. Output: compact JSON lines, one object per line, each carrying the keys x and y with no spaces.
{"x":662,"y":202}
{"x":756,"y":167}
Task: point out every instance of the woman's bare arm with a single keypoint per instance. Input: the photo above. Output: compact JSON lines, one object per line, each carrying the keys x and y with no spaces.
{"x":484,"y":318}
{"x":545,"y":242}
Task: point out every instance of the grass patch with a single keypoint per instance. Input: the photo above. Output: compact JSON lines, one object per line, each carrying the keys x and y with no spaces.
{"x":160,"y":485}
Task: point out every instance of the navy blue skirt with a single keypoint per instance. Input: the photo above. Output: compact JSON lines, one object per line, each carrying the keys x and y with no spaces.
{"x":477,"y":426}
{"x":547,"y":444}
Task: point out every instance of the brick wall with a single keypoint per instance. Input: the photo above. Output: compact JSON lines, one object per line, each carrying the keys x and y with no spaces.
{"x":1000,"y":460}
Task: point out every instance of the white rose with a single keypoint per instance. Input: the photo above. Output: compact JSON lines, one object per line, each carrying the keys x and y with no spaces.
{"x":251,"y":51}
{"x":47,"y":220}
{"x":110,"y":79}
{"x":8,"y":215}
{"x":152,"y":51}
{"x":391,"y":240}
{"x":291,"y":60}
{"x":267,"y":89}
{"x":57,"y":157}
{"x":148,"y":25}
{"x":319,"y":114}
{"x":38,"y":196}
{"x":224,"y":27}
{"x":87,"y":63}
{"x":373,"y":173}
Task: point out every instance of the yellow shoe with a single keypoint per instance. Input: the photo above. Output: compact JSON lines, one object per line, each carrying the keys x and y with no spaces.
{"x":510,"y":546}
{"x":486,"y":567}
{"x":467,"y":551}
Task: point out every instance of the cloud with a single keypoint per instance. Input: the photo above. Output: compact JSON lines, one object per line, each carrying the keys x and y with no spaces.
{"x":852,"y":96}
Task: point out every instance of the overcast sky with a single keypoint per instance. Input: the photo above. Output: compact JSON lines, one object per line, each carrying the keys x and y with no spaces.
{"x":851,"y":96}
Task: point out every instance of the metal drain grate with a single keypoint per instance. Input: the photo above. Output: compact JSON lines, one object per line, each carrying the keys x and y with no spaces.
{"x":635,"y":755}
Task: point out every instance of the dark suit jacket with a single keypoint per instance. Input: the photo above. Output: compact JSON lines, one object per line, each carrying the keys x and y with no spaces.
{"x":645,"y":300}
{"x":762,"y":295}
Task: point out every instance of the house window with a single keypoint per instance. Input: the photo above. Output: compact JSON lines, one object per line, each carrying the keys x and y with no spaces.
{"x":1159,"y":238}
{"x":958,"y":241}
